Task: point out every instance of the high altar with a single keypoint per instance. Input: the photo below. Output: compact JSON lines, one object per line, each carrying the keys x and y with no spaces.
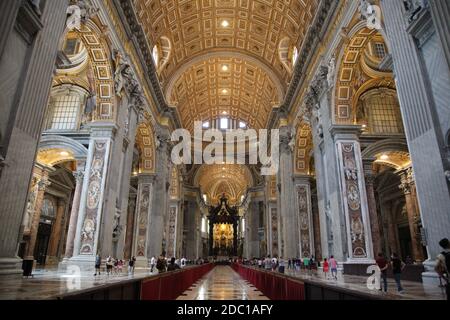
{"x":223,"y":224}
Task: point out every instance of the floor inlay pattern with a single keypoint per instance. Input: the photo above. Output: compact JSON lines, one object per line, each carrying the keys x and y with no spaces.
{"x":222,"y":283}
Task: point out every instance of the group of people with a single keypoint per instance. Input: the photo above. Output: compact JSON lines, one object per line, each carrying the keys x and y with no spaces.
{"x":114,"y":266}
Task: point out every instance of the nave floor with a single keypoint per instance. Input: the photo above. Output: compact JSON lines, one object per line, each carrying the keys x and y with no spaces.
{"x":222,"y":283}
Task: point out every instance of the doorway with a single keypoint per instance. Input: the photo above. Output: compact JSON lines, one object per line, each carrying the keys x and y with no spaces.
{"x":42,"y":240}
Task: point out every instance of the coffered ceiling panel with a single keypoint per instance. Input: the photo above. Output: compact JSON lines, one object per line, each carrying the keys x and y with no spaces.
{"x":217,"y":86}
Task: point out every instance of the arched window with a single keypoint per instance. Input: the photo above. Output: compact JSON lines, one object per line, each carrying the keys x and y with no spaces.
{"x":65,"y":109}
{"x":155,"y":54}
{"x":380,"y":112}
{"x":294,"y":56}
{"x":203,"y":224}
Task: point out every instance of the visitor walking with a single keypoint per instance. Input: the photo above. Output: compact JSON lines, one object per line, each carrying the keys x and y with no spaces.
{"x":306,"y":263}
{"x":333,"y":266}
{"x":131,"y":264}
{"x":152,"y":264}
{"x":98,"y":263}
{"x":326,"y":268}
{"x":120,"y":266}
{"x":274,"y":263}
{"x":443,"y":265}
{"x":183,"y":262}
{"x":267,"y":263}
{"x":397,"y":268}
{"x":383,"y":265}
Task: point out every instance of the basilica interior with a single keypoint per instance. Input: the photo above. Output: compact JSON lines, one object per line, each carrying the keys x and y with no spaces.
{"x":91,"y":92}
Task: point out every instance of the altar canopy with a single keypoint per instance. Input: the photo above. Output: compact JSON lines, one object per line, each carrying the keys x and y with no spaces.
{"x":223,"y":224}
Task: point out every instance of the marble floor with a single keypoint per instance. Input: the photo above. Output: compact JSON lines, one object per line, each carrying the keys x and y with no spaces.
{"x":51,"y":283}
{"x":222,"y":283}
{"x":412,"y":290}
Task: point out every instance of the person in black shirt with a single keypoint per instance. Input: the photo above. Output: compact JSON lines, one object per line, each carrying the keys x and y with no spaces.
{"x":172,"y":265}
{"x":397,"y":268}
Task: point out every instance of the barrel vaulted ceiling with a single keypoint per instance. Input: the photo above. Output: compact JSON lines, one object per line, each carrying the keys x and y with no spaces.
{"x":246,"y":36}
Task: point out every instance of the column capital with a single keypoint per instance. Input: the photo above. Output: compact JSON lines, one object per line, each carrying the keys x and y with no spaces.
{"x":101,"y":129}
{"x":407,"y":180}
{"x":349,"y":131}
{"x":146,"y":178}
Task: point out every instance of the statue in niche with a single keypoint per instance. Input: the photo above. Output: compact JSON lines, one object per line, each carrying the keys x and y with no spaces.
{"x":331,"y":72}
{"x":117,"y":227}
{"x":120,"y":64}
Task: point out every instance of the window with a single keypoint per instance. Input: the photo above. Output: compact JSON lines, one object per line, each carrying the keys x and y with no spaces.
{"x":383,"y":113}
{"x":243,"y":225}
{"x":379,"y":50}
{"x":294,"y":56}
{"x":64,"y":112}
{"x":203,"y":224}
{"x":223,"y":123}
{"x":205,"y":198}
{"x":155,"y":55}
{"x":205,"y":125}
{"x":242,"y":125}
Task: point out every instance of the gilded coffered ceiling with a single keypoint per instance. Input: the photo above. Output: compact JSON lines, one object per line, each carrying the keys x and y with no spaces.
{"x":246,"y":34}
{"x":220,"y":86}
{"x":233,"y":180}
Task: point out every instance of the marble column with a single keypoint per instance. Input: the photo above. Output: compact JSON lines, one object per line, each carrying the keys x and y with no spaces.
{"x":316,"y":225}
{"x":79,"y":176}
{"x":419,"y":56}
{"x":304,"y":207}
{"x":42,"y":186}
{"x":160,"y":192}
{"x":353,"y":194}
{"x":288,"y":212}
{"x":89,"y":224}
{"x":130,"y":225}
{"x":144,"y":208}
{"x":407,"y":184}
{"x":252,"y":226}
{"x":28,"y":49}
{"x":388,"y":210}
{"x":440,"y":12}
{"x":372,"y":205}
{"x":57,"y":233}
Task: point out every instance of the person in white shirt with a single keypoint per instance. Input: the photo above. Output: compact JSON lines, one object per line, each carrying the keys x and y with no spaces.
{"x":152,"y":264}
{"x":183,"y":262}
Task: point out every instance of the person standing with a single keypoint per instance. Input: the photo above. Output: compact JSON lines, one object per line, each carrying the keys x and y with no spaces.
{"x":326,"y":268}
{"x":383,"y":265}
{"x":98,"y":263}
{"x":161,"y":263}
{"x":109,"y":265}
{"x":152,"y":264}
{"x":443,"y":265}
{"x":281,"y":265}
{"x":397,"y":268}
{"x":306,"y":263}
{"x":333,"y":266}
{"x":183,"y":262}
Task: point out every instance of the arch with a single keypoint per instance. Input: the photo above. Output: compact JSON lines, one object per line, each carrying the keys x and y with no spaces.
{"x":354,"y":75}
{"x":60,"y":142}
{"x":221,"y":54}
{"x":387,"y":145}
{"x":101,"y":67}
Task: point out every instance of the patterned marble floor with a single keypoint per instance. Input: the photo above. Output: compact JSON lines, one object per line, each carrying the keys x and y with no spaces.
{"x":222,"y":283}
{"x":49,"y":284}
{"x":412,"y":290}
